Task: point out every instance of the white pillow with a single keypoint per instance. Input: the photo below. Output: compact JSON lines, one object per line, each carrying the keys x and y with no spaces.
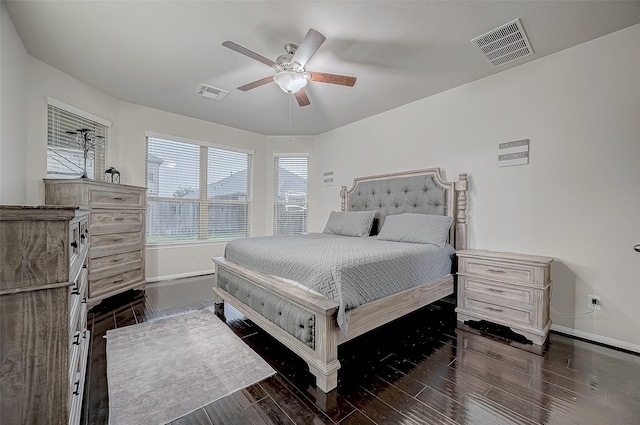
{"x":416,"y":228}
{"x":350,"y":223}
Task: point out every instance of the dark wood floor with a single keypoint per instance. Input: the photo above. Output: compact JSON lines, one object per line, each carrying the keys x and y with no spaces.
{"x":417,"y":370}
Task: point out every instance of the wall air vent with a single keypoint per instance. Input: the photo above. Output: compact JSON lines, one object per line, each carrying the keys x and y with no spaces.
{"x":504,"y":44}
{"x":211,"y":92}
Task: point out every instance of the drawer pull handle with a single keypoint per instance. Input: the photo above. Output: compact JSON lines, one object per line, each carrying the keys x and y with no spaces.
{"x":118,"y":198}
{"x":118,"y":280}
{"x":119,"y":218}
{"x":115,"y":260}
{"x":76,"y":339}
{"x":74,"y":244}
{"x":84,"y":300}
{"x":77,"y":389}
{"x":500,"y":291}
{"x":86,"y":230}
{"x":118,"y":239}
{"x":75,"y":291}
{"x":498,"y":310}
{"x":82,"y":236}
{"x":496,"y":271}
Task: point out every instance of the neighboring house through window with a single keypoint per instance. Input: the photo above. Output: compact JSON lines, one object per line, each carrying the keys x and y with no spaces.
{"x":196,"y":191}
{"x":290,"y":194}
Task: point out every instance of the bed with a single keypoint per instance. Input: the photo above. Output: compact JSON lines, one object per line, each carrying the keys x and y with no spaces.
{"x":280,"y":285}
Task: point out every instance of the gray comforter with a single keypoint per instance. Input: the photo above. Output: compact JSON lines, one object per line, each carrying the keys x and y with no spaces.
{"x":349,"y":270}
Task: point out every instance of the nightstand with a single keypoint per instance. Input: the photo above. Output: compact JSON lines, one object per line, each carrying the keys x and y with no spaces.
{"x":505,"y":288}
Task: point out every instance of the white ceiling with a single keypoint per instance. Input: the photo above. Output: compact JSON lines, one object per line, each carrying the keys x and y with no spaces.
{"x":157,"y":53}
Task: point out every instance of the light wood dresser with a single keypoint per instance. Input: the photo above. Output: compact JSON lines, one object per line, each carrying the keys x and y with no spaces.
{"x":505,"y":288}
{"x":116,"y":231}
{"x":43,"y":314}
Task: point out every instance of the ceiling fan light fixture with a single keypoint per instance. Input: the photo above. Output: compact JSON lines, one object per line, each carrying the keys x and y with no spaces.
{"x":290,"y":82}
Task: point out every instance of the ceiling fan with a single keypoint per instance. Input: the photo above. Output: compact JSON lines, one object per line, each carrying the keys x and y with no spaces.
{"x":290,"y":75}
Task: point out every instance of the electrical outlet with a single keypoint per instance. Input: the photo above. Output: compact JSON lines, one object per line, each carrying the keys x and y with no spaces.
{"x":595,"y":302}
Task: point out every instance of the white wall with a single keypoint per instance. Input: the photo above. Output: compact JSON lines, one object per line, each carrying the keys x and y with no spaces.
{"x":578,"y":198}
{"x":13,"y":113}
{"x":134,"y":120}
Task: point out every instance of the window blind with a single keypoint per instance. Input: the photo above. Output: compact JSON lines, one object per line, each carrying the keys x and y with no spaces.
{"x":196,"y":192}
{"x":290,"y":195}
{"x":65,"y":155}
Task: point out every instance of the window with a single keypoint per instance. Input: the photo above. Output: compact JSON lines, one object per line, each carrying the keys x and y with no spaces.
{"x":290,"y":195}
{"x":196,"y":191}
{"x":68,"y":135}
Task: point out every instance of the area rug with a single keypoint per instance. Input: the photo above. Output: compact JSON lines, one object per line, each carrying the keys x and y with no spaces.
{"x":161,"y":370}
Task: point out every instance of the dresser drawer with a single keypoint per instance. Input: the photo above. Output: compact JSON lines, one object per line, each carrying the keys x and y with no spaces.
{"x":488,"y":310}
{"x":100,"y":286}
{"x":77,"y":299}
{"x":77,"y":374}
{"x":115,"y":221}
{"x":84,"y":234}
{"x":76,"y":343}
{"x":503,"y":271}
{"x":100,"y":197}
{"x":496,"y":293}
{"x":110,"y":244}
{"x":110,"y":265}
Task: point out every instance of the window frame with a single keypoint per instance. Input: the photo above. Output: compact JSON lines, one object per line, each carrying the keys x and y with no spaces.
{"x":203,"y":201}
{"x":100,"y":165}
{"x":276,"y":158}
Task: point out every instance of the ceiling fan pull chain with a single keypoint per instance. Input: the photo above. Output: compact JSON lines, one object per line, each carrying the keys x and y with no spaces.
{"x":290,"y":96}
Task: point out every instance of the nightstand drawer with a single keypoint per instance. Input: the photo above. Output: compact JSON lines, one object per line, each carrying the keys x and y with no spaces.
{"x":498,"y":312}
{"x":500,"y":271}
{"x":493,"y":292}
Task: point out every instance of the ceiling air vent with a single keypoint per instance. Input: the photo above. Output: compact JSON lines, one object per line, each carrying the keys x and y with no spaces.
{"x":504,"y":44}
{"x":211,"y":92}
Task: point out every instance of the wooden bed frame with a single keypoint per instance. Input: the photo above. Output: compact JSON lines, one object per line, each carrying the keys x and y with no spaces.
{"x":323,"y":359}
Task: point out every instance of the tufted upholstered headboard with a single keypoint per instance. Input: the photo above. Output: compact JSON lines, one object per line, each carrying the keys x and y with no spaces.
{"x":421,"y":191}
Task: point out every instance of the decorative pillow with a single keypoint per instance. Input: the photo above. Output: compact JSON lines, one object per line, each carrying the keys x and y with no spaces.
{"x":417,"y":228}
{"x":350,"y":223}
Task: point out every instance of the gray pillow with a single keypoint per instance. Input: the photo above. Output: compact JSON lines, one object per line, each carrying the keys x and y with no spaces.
{"x":350,"y":223}
{"x":417,"y":228}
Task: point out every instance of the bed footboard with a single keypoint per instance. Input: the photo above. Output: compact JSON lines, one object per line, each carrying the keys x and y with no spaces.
{"x":305,"y":323}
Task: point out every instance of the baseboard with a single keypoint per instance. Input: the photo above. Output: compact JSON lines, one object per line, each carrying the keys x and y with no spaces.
{"x":597,"y":338}
{"x":178,"y":276}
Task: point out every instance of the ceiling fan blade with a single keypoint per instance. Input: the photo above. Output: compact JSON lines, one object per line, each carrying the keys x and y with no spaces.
{"x":258,"y":83}
{"x":342,"y":80}
{"x":302,"y":98}
{"x":308,"y":47}
{"x":243,"y":50}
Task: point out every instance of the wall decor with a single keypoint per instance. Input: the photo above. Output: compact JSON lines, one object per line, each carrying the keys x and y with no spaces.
{"x":513,"y":153}
{"x":327,"y":178}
